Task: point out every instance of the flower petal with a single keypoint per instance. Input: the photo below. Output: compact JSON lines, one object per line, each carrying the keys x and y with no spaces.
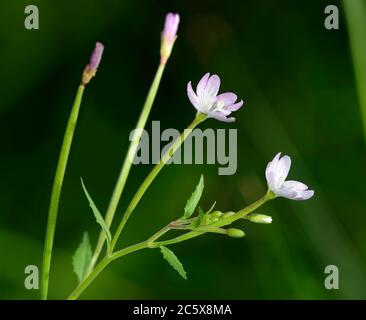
{"x":306,"y":195}
{"x":202,"y":85}
{"x":235,"y":107}
{"x":271,"y":172}
{"x":192,"y":96}
{"x":286,"y":193}
{"x":282,"y":170}
{"x":295,"y":190}
{"x":295,"y":185}
{"x":212,"y":88}
{"x":227,"y":98}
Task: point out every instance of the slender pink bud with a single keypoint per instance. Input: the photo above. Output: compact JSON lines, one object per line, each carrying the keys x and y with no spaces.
{"x":95,"y":58}
{"x":168,"y":36}
{"x":171,"y":26}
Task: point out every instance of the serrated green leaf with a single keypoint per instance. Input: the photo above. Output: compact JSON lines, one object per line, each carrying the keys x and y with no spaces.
{"x":82,"y":257}
{"x":194,"y":199}
{"x":97,"y":215}
{"x":173,"y":261}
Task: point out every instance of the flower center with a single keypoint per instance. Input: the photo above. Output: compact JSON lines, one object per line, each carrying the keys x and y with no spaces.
{"x":217,"y":106}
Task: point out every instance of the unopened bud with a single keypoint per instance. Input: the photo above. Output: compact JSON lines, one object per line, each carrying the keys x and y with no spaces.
{"x":228,"y":214}
{"x":92,"y":67}
{"x":235,"y":233}
{"x":259,"y":218}
{"x":168,"y":36}
{"x":216,"y":214}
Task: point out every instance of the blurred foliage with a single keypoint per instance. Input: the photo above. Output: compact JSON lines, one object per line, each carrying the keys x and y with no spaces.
{"x":297,"y":81}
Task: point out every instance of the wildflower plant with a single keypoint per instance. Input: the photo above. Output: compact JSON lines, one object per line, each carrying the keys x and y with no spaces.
{"x":193,"y":221}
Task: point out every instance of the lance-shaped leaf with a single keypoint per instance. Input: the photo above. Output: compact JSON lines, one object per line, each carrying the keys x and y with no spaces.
{"x":97,"y":215}
{"x":194,"y":199}
{"x":82,"y":257}
{"x":173,"y":261}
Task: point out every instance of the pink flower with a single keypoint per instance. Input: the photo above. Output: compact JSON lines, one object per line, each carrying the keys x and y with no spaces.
{"x":168,"y":36}
{"x":206,"y":100}
{"x":276,"y":174}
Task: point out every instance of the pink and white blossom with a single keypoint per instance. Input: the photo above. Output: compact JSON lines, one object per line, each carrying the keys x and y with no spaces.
{"x":276,"y":174}
{"x":207,"y":100}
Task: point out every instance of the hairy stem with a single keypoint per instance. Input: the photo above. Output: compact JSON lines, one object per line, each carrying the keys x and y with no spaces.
{"x":56,"y":191}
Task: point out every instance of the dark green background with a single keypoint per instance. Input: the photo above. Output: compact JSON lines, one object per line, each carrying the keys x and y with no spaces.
{"x":297,"y":81}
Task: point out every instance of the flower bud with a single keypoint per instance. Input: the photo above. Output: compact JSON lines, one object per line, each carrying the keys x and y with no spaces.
{"x":235,"y":233}
{"x":216,"y":214}
{"x":168,"y":36}
{"x":259,"y":218}
{"x":92,"y":67}
{"x":228,"y":214}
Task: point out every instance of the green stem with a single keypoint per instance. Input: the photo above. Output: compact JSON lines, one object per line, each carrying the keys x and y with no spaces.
{"x":355,"y":12}
{"x":175,"y":225}
{"x":103,"y":264}
{"x":90,"y":278}
{"x":244,"y":212}
{"x":126,"y":166}
{"x":56,"y":191}
{"x":222,"y":222}
{"x":209,"y":229}
{"x":154,"y":172}
{"x":159,"y":234}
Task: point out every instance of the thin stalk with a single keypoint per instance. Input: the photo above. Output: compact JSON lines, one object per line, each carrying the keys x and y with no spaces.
{"x":90,"y":278}
{"x":56,"y":191}
{"x":152,"y":175}
{"x":222,"y":222}
{"x":102,"y":265}
{"x":355,"y":12}
{"x":126,"y":166}
{"x":160,"y":233}
{"x":175,"y":225}
{"x":244,"y":212}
